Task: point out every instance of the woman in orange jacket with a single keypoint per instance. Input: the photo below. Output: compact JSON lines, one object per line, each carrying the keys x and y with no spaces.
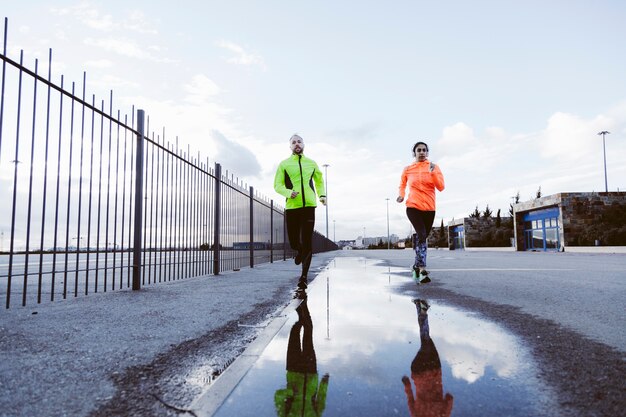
{"x":422,"y":177}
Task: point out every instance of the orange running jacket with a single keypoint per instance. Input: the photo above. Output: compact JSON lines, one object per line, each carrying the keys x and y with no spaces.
{"x":422,"y":183}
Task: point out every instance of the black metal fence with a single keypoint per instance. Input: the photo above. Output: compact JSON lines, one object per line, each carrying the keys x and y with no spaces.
{"x":92,"y":202}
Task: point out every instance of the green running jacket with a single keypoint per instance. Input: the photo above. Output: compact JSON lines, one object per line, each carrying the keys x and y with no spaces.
{"x":299,"y":173}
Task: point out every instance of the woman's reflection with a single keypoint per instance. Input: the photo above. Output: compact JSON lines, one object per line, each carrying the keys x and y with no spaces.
{"x":426,"y":374}
{"x":303,"y":396}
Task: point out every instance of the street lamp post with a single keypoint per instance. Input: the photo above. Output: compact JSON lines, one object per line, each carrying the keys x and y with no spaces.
{"x":603,"y":133}
{"x":326,"y":186}
{"x":334,"y":235}
{"x":387,"y":223}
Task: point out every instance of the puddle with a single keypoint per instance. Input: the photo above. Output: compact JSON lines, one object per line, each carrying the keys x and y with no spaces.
{"x":382,"y":358}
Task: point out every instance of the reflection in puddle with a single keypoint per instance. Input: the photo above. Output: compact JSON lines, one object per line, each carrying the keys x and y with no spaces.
{"x":383,"y":353}
{"x":303,"y":395}
{"x":428,"y":399}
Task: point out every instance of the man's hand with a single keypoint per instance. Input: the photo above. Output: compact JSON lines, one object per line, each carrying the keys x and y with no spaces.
{"x":400,"y":199}
{"x":294,"y":194}
{"x":323,"y":200}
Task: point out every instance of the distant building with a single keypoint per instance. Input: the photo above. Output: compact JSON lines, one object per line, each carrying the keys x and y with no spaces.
{"x":346,"y":244}
{"x":550,"y":223}
{"x":557,"y":221}
{"x":475,"y":232}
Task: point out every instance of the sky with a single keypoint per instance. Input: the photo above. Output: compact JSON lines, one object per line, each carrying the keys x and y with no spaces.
{"x":509,"y":95}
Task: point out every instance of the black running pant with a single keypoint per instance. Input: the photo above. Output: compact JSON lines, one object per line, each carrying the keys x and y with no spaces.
{"x":422,"y":222}
{"x":300,"y":223}
{"x":301,"y":356}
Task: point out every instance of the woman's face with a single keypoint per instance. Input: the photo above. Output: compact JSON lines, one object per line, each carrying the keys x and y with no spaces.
{"x":421,"y":152}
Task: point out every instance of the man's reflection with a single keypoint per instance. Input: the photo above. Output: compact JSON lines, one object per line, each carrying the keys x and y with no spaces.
{"x":426,"y":374}
{"x":303,"y":396}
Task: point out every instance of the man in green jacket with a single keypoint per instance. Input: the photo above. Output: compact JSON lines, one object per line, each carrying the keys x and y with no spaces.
{"x":297,"y":179}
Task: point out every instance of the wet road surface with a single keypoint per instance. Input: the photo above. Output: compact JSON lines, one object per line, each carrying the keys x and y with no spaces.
{"x":363,"y":342}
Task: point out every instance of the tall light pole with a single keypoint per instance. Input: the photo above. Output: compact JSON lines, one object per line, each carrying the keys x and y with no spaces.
{"x":387,"y":223}
{"x":603,"y":133}
{"x":334,"y":235}
{"x":326,"y":186}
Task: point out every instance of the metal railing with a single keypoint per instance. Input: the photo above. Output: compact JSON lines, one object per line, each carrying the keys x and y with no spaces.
{"x":93,"y":204}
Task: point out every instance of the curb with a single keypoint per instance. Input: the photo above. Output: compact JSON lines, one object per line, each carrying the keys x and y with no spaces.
{"x":212,"y":399}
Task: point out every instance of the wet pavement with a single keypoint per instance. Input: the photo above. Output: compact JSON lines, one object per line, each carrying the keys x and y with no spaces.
{"x":363,"y":342}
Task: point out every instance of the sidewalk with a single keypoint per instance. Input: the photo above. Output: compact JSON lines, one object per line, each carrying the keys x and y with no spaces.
{"x":136,"y":353}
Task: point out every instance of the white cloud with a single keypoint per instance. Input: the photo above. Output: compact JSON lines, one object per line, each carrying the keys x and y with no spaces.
{"x":99,"y":63}
{"x":87,"y":14}
{"x":200,"y":89}
{"x":137,"y":22}
{"x":241,"y":56}
{"x":125,"y":47}
{"x":457,"y":138}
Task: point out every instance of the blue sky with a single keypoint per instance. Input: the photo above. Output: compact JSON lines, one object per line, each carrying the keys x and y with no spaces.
{"x":509,"y":95}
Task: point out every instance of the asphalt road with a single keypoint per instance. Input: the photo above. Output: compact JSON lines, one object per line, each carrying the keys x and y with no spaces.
{"x":151,"y":353}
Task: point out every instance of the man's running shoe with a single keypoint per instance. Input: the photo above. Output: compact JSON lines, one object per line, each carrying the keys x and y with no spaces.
{"x":302,"y":283}
{"x":423,"y":277}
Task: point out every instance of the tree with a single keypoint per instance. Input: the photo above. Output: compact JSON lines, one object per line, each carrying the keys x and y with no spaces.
{"x":443,"y":238}
{"x":475,"y":214}
{"x":498,"y":219}
{"x":487,"y":213}
{"x":516,"y":200}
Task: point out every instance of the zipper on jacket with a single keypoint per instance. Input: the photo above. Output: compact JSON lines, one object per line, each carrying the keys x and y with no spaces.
{"x":301,"y":180}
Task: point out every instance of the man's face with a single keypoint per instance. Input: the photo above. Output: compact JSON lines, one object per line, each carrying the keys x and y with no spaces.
{"x":296,"y":144}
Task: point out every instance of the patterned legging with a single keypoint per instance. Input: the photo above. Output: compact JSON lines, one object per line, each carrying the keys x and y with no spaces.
{"x":422,"y":222}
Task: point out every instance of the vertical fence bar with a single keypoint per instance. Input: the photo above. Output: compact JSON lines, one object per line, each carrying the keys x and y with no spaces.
{"x":69,"y":206}
{"x":80,"y":191}
{"x":179,"y":197}
{"x":117,"y":176}
{"x":161,"y":161}
{"x":106,"y":221}
{"x":171,"y":215}
{"x":15,"y":162}
{"x":45,"y":184}
{"x":138,"y":202}
{"x":144,"y":213}
{"x":56,"y":212}
{"x":251,"y":227}
{"x":90,"y":201}
{"x":98,"y":222}
{"x":271,"y":231}
{"x":130,"y":203}
{"x":186,"y":214}
{"x":150,"y":248}
{"x":174,"y":230}
{"x":123,"y":201}
{"x":4,"y":71}
{"x":30,"y":188}
{"x":216,"y":222}
{"x":196,"y":239}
